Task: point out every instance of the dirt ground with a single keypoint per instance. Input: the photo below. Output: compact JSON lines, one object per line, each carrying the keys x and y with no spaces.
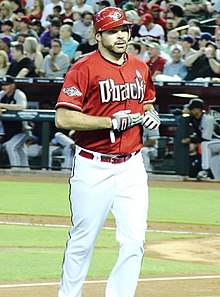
{"x":203,"y":250}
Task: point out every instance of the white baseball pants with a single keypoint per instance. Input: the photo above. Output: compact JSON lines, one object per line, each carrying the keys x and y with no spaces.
{"x":96,"y":188}
{"x":211,"y":149}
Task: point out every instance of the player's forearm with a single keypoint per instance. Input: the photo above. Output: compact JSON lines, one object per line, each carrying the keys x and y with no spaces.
{"x":74,"y":120}
{"x":11,"y":106}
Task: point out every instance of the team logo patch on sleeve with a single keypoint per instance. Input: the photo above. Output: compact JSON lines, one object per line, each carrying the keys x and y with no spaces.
{"x":72,"y":92}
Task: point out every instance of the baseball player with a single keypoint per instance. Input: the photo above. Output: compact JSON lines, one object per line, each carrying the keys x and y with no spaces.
{"x":107,"y":98}
{"x":15,"y":133}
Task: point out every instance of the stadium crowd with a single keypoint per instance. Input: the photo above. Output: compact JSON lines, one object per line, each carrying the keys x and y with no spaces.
{"x":43,"y":38}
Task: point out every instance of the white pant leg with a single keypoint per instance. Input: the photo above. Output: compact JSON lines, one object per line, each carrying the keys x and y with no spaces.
{"x":130,"y":210}
{"x":17,"y":153}
{"x":67,"y":144}
{"x":214,"y":162}
{"x":91,"y":196}
{"x":208,"y":148}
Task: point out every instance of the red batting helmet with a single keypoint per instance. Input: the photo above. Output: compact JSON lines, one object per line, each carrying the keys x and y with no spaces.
{"x":108,"y":18}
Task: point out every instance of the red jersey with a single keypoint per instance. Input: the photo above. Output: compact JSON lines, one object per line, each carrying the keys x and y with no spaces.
{"x":98,"y":87}
{"x":158,"y":65}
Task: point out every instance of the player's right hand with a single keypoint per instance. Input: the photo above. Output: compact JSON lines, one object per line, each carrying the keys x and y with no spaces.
{"x":124,"y":119}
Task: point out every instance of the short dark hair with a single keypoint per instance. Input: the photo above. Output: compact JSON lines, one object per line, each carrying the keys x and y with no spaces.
{"x":177,"y":10}
{"x":57,"y":41}
{"x":18,"y":46}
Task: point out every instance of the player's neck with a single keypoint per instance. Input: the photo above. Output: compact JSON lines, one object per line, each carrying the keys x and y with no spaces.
{"x":115,"y":59}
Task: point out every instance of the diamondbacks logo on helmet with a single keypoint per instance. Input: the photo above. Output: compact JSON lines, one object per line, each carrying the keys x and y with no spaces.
{"x":116,"y":15}
{"x":72,"y":92}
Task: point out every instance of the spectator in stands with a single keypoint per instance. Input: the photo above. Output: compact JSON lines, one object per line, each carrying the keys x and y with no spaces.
{"x":203,"y":63}
{"x":6,"y":12}
{"x":134,"y":48}
{"x":89,"y":46}
{"x":103,"y":4}
{"x":149,"y":150}
{"x":186,"y":43}
{"x":217,"y":41}
{"x":156,"y":62}
{"x":35,"y":13}
{"x":149,"y":29}
{"x":74,"y":35}
{"x":17,"y":7}
{"x":48,"y":9}
{"x":204,"y":38}
{"x":129,"y":5}
{"x":49,"y":34}
{"x":69,"y":45}
{"x":4,"y":63}
{"x":7,"y":29}
{"x":172,"y":38}
{"x":140,"y":6}
{"x":22,"y":66}
{"x":15,"y":133}
{"x":157,"y":18}
{"x":195,"y":9}
{"x":56,"y":13}
{"x":20,"y":38}
{"x":56,"y":63}
{"x":37,"y":27}
{"x":32,"y":51}
{"x":24,"y":28}
{"x":82,"y":7}
{"x":81,"y":27}
{"x":133,"y":17}
{"x":195,"y":32}
{"x":68,"y":10}
{"x":176,"y":67}
{"x":177,"y":13}
{"x":5,"y":43}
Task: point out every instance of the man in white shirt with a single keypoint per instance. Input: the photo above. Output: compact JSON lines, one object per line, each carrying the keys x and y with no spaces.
{"x":149,"y":29}
{"x":48,"y":9}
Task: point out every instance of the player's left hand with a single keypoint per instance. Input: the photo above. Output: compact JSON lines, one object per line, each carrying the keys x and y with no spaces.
{"x":124,"y":119}
{"x":151,"y":120}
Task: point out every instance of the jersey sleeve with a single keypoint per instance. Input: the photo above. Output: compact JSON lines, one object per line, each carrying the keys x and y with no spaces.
{"x":150,"y":92}
{"x":73,"y":90}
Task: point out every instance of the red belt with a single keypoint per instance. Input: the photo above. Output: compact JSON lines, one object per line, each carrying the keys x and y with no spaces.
{"x":103,"y":158}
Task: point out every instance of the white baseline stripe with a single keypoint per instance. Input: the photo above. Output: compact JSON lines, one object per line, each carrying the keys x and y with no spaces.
{"x":109,"y":228}
{"x":177,"y":278}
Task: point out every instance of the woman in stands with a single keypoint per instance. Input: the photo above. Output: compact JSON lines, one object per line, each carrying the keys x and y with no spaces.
{"x":32,"y":51}
{"x":4,"y":63}
{"x":36,"y":11}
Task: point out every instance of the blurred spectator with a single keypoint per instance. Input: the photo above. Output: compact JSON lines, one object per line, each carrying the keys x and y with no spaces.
{"x":4,"y":63}
{"x":56,"y":63}
{"x":140,"y":6}
{"x":32,"y":51}
{"x":7,"y":29}
{"x":133,"y":17}
{"x":217,"y":41}
{"x":148,"y":28}
{"x":23,"y":27}
{"x":74,"y":35}
{"x":217,"y":21}
{"x":176,"y":67}
{"x":149,"y":150}
{"x":69,"y":45}
{"x":186,"y":43}
{"x":68,"y":10}
{"x":194,"y":32}
{"x":22,"y":66}
{"x":81,"y":27}
{"x":157,"y":18}
{"x":81,"y":7}
{"x":204,"y":38}
{"x":56,"y":13}
{"x":20,"y":37}
{"x":35,"y":13}
{"x":129,"y":5}
{"x":134,"y":48}
{"x":177,"y":13}
{"x":5,"y":42}
{"x":172,"y":38}
{"x":37,"y":27}
{"x":156,"y":62}
{"x":102,"y":4}
{"x":49,"y":34}
{"x":16,"y":6}
{"x":89,"y":46}
{"x":15,"y":132}
{"x":48,"y":9}
{"x":6,"y":12}
{"x":195,"y":9}
{"x":203,"y":63}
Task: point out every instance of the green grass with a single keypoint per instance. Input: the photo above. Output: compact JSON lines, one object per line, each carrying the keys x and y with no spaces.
{"x":166,"y":204}
{"x":30,"y":236}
